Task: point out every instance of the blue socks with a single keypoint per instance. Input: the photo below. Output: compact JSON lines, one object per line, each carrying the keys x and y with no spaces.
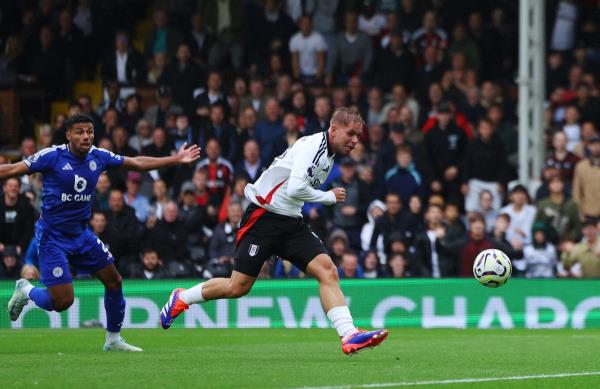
{"x":114,"y":303}
{"x":41,"y":298}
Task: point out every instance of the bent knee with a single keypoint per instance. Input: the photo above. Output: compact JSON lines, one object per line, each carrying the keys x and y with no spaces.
{"x":327,"y":273}
{"x":116,"y":283}
{"x":62,"y":304}
{"x":238,"y":290}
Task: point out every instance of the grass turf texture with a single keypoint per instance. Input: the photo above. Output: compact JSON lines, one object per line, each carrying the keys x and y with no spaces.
{"x":295,"y":358}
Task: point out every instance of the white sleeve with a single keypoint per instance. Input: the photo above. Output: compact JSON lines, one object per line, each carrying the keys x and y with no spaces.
{"x":294,"y":44}
{"x":303,"y":170}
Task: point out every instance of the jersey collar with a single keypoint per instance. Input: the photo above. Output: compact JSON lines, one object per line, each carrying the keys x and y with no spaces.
{"x":330,"y":152}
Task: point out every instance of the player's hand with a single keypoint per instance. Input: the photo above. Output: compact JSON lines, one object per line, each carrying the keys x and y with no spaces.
{"x":340,"y":194}
{"x":188,"y":154}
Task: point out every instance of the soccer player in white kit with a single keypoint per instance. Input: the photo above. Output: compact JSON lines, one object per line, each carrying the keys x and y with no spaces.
{"x":273,"y":225}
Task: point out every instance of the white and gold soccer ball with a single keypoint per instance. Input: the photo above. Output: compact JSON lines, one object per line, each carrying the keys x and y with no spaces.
{"x":492,"y":268}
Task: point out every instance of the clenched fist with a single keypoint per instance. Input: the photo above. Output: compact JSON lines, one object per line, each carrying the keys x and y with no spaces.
{"x":340,"y":194}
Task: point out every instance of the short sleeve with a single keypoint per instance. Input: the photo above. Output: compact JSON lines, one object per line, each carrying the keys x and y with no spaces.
{"x":41,"y":161}
{"x":294,"y":44}
{"x":320,"y":43}
{"x":109,"y":159}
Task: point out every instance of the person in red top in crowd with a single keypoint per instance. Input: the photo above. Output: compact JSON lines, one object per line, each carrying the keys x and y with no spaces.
{"x":561,"y":158}
{"x":476,"y":242}
{"x":459,"y":119}
{"x":219,"y":173}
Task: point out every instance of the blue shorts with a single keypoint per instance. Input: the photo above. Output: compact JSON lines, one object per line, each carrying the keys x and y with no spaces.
{"x":57,"y":251}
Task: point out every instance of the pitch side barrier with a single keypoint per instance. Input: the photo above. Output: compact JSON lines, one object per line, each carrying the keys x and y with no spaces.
{"x":426,"y":303}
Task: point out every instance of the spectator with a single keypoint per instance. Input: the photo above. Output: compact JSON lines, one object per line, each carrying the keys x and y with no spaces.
{"x":268,"y":131}
{"x":182,"y":131}
{"x":522,"y":215}
{"x":395,"y":219}
{"x":395,"y":65}
{"x":257,"y":100}
{"x":540,"y":256}
{"x":404,"y":179}
{"x":370,"y":21}
{"x":182,"y":76}
{"x":16,"y":217}
{"x":212,"y":96}
{"x":446,"y":145}
{"x":375,"y":210}
{"x":251,"y":164}
{"x":222,"y":246}
{"x":308,"y":49}
{"x":371,"y":266}
{"x":397,"y":266}
{"x":124,"y":64}
{"x":320,"y":120}
{"x":149,"y":268}
{"x":134,"y":199}
{"x":429,"y":35}
{"x":98,"y":224}
{"x":462,"y":43}
{"x":113,"y":101}
{"x":157,"y":114}
{"x":571,"y":128}
{"x":11,"y":265}
{"x":218,"y":128}
{"x":562,"y":159}
{"x":350,"y":214}
{"x":486,"y":201}
{"x":272,"y":32}
{"x":169,"y":237}
{"x":475,"y":242}
{"x":102,"y":192}
{"x":349,"y":267}
{"x":159,"y":147}
{"x":161,"y":38}
{"x":157,"y":68}
{"x":219,"y":173}
{"x":588,"y":133}
{"x":202,"y":196}
{"x":142,"y":137}
{"x":375,"y":114}
{"x":47,"y":65}
{"x":119,"y":141}
{"x":586,"y":181}
{"x":583,"y":259}
{"x":352,"y":53}
{"x":433,"y":255}
{"x":159,"y":200}
{"x":559,"y":214}
{"x":484,"y":167}
{"x":224,"y":21}
{"x":194,"y":219}
{"x":337,"y":244}
{"x":498,"y":236}
{"x":199,"y":40}
{"x":122,"y":230}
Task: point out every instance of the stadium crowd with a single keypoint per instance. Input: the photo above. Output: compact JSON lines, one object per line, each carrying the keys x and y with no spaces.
{"x":430,"y":185}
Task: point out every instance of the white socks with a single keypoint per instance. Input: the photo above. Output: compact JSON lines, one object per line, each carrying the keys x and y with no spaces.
{"x":192,"y":295}
{"x":27,"y":288}
{"x":112,"y":337}
{"x":342,"y":321}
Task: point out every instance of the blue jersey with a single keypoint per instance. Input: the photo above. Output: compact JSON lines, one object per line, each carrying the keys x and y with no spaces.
{"x":69,"y":184}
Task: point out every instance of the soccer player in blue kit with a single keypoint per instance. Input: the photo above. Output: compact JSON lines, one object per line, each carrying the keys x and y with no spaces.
{"x":64,"y":238}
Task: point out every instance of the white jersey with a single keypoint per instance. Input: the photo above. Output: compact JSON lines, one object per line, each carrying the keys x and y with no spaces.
{"x":294,"y":177}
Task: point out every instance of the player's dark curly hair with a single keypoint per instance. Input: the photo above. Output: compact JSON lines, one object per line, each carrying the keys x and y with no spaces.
{"x":79,"y":118}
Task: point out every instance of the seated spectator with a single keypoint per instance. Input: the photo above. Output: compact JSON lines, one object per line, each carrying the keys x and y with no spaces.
{"x":213,"y":95}
{"x":337,"y":244}
{"x":161,"y":38}
{"x":540,"y":256}
{"x":122,"y":229}
{"x":395,"y":219}
{"x":219,"y":172}
{"x":16,"y":217}
{"x":285,"y":269}
{"x":320,"y":120}
{"x":183,"y":76}
{"x":269,"y":131}
{"x":429,"y":35}
{"x":349,"y":266}
{"x":156,"y":114}
{"x":199,"y":40}
{"x":114,"y":101}
{"x":375,"y":210}
{"x":589,"y":132}
{"x":159,"y":199}
{"x":11,"y":265}
{"x":583,"y":259}
{"x":498,"y":236}
{"x":168,"y":236}
{"x":182,"y":132}
{"x":572,"y":127}
{"x":102,"y":192}
{"x":221,"y":250}
{"x":160,"y":147}
{"x":257,"y":99}
{"x":559,"y":214}
{"x":195,"y":220}
{"x":475,"y":242}
{"x":396,"y":64}
{"x":371,"y":267}
{"x":119,"y":141}
{"x":131,"y":114}
{"x":404,"y":179}
{"x":142,"y":136}
{"x":562,"y":159}
{"x":397,"y":266}
{"x":455,"y":228}
{"x":521,"y":215}
{"x":134,"y":199}
{"x":251,"y":164}
{"x":157,"y":68}
{"x":149,"y":268}
{"x":221,"y":130}
{"x":434,"y":255}
{"x":486,"y":201}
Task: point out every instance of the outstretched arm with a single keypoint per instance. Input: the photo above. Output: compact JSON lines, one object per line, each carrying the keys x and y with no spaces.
{"x":183,"y":156}
{"x":13,"y":170}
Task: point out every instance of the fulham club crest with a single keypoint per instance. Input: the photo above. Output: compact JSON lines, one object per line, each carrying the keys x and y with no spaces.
{"x":253,"y":250}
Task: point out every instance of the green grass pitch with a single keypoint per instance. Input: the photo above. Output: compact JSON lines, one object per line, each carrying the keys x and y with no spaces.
{"x":230,"y":358}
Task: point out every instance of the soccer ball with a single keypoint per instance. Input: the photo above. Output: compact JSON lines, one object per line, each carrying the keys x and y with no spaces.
{"x":492,"y":268}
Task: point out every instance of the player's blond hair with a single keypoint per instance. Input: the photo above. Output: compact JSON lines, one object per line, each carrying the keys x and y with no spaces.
{"x":345,"y":116}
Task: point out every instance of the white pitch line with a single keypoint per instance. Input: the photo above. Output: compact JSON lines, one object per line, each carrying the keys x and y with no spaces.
{"x":458,"y":381}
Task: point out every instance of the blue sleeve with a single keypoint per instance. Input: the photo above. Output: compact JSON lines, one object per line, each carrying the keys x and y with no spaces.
{"x":109,"y":159}
{"x":41,"y":161}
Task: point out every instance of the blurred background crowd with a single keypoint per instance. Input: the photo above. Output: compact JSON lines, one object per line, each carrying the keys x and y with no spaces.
{"x":431,"y":183}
